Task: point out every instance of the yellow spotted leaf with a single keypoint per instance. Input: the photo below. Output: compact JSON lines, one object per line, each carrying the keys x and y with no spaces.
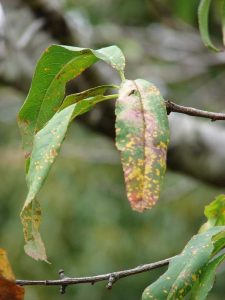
{"x":142,"y":136}
{"x":47,"y":143}
{"x":188,"y":269}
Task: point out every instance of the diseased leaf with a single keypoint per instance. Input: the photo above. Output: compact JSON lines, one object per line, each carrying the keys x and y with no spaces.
{"x":215,"y":213}
{"x":8,"y":288}
{"x":58,"y":65}
{"x":31,"y":219}
{"x":206,"y":279}
{"x":203,"y":15}
{"x":47,"y":143}
{"x":43,"y":128}
{"x":142,"y":136}
{"x":185,"y":269}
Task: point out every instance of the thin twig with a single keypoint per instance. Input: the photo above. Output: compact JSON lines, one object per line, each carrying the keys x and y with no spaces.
{"x":110,"y":277}
{"x":173,"y":107}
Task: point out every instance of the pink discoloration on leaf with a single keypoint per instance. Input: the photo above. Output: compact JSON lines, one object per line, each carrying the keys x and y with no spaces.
{"x":142,"y":136}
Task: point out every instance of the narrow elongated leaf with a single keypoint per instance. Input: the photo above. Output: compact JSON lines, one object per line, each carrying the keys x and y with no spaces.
{"x":142,"y":136}
{"x":85,"y":105}
{"x":56,"y":67}
{"x":219,"y":242}
{"x":203,"y":15}
{"x":8,"y":288}
{"x":47,"y":143}
{"x":185,"y":269}
{"x":93,"y":92}
{"x":206,"y":279}
{"x":223,"y":21}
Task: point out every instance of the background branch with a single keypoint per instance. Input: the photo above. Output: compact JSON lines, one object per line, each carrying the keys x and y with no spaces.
{"x":173,"y":107}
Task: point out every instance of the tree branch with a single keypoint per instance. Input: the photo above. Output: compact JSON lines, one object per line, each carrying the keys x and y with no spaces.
{"x":173,"y":107}
{"x":110,"y":277}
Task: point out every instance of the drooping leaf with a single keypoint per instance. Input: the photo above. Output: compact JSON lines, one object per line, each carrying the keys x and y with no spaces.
{"x":8,"y":288}
{"x":142,"y":136}
{"x":215,"y":213}
{"x":184,"y":269}
{"x":206,"y":279}
{"x":203,"y":15}
{"x":58,"y":65}
{"x":47,"y":143}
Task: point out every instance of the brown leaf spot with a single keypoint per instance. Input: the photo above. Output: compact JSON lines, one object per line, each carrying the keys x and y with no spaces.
{"x":53,"y":152}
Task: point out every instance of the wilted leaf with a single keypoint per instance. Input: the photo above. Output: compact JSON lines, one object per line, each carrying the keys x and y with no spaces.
{"x":8,"y":288}
{"x":57,"y":66}
{"x":142,"y":136}
{"x":43,"y":128}
{"x":185,"y":270}
{"x":206,"y":279}
{"x":203,"y":15}
{"x":47,"y":143}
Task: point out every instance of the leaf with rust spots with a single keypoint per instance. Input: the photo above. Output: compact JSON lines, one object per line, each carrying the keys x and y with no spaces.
{"x":8,"y":288}
{"x":205,"y":282}
{"x":142,"y":136}
{"x":58,"y":65}
{"x":47,"y":144}
{"x":188,"y":269}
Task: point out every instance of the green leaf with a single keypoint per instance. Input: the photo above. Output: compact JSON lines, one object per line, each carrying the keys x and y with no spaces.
{"x":58,"y":65}
{"x":203,"y":15}
{"x":47,"y":143}
{"x":93,"y":92}
{"x":219,"y":242}
{"x":142,"y":136}
{"x":223,"y":21}
{"x":184,"y":269}
{"x":215,"y":213}
{"x":206,"y":279}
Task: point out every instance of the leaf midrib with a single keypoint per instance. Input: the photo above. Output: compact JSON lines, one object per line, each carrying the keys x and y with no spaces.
{"x":143,"y":134}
